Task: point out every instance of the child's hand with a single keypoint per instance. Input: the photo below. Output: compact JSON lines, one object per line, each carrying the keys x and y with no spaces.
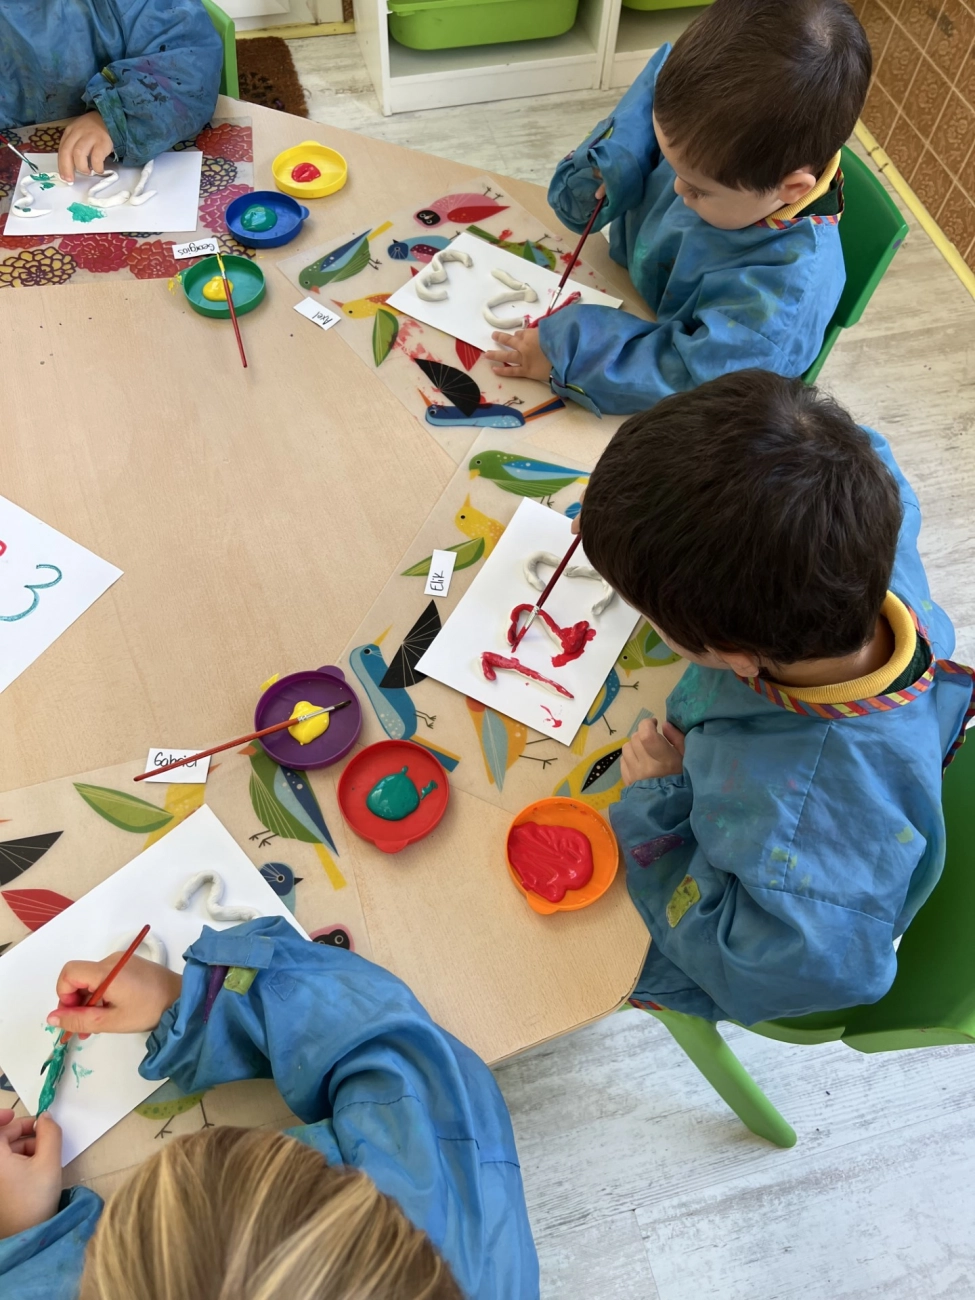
{"x":30,"y":1171}
{"x":520,"y":355}
{"x":134,"y":1003}
{"x":650,"y":753}
{"x":84,"y":147}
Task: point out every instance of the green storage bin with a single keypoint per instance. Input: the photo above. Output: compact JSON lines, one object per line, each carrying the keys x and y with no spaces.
{"x":665,"y":4}
{"x":447,"y":24}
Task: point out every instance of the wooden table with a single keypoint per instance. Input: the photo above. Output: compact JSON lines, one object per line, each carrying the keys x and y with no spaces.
{"x":127,"y":422}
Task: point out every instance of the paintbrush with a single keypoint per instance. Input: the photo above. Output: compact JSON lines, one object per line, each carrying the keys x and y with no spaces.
{"x":23,"y":157}
{"x":54,"y":1065}
{"x":548,"y":587}
{"x":571,"y":266}
{"x":242,"y":740}
{"x":233,"y":314}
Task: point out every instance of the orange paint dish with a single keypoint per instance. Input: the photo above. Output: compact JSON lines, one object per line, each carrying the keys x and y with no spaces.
{"x":574,"y":816}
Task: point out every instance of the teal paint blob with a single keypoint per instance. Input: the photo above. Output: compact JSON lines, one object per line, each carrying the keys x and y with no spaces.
{"x":84,"y":212}
{"x":258,"y":217}
{"x":395,"y":796}
{"x":79,"y":1072}
{"x":53,"y":1077}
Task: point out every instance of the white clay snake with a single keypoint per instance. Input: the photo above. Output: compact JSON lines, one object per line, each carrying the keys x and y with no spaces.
{"x":534,"y":579}
{"x":212,"y":901}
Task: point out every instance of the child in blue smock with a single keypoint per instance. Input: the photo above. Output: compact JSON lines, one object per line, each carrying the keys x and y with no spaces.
{"x":785,"y":826}
{"x":142,"y":74}
{"x":720,"y":167}
{"x":436,"y":1209}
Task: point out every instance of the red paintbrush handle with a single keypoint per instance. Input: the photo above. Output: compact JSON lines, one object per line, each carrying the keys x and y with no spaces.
{"x":218,"y":749}
{"x":578,"y":249}
{"x":92,"y":998}
{"x":559,"y":569}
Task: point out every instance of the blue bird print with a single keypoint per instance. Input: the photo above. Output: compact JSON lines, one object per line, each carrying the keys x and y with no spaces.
{"x":420,"y":249}
{"x":393,"y":705}
{"x":282,"y":880}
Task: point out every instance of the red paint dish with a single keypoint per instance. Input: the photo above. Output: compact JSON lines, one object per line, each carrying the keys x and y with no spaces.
{"x":368,"y":767}
{"x":578,"y":816}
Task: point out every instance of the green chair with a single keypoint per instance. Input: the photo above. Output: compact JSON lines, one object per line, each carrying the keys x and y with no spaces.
{"x":930,"y":1004}
{"x":227,"y":32}
{"x":871,"y":231}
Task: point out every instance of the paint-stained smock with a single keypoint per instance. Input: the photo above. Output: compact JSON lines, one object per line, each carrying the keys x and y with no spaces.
{"x":150,"y":67}
{"x":776,"y":871}
{"x":724,"y":299}
{"x":379,"y":1086}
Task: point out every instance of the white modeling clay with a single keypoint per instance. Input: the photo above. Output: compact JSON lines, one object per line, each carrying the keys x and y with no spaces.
{"x":435,"y":274}
{"x":518,"y":291}
{"x":151,"y":947}
{"x":533,"y":578}
{"x":213,"y":906}
{"x":138,"y":198}
{"x":23,"y":204}
{"x":135,"y":197}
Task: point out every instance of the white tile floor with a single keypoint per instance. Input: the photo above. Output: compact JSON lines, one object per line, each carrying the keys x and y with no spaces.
{"x":641,"y":1184}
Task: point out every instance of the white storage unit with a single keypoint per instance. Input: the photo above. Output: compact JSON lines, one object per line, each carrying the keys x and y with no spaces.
{"x":634,"y":34}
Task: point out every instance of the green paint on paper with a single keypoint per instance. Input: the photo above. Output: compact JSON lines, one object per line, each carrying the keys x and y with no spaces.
{"x":395,"y":796}
{"x":79,"y":1072}
{"x":84,"y":212}
{"x":258,"y":218}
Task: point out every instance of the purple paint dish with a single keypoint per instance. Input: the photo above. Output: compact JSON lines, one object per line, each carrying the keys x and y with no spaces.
{"x":320,"y":687}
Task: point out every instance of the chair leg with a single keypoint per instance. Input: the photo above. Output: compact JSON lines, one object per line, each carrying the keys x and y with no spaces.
{"x":727,"y":1076}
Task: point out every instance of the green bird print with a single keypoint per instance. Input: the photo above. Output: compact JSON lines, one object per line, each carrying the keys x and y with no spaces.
{"x":285,"y":803}
{"x":167,"y":1102}
{"x":524,"y":476}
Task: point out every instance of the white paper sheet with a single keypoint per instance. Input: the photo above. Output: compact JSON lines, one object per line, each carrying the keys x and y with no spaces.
{"x":175,"y":177}
{"x":46,"y":582}
{"x":480,"y":622}
{"x":470,"y":289}
{"x":105,"y":920}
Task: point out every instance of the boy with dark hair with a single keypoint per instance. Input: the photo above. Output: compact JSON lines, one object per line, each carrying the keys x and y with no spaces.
{"x":720,"y":167}
{"x":785,"y":826}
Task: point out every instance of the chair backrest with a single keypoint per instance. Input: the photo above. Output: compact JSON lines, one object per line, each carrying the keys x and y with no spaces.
{"x":935,"y":984}
{"x":227,"y":32}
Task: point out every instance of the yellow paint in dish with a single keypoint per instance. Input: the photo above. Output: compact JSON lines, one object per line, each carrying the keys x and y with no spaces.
{"x":306,"y":732}
{"x":214,"y":291}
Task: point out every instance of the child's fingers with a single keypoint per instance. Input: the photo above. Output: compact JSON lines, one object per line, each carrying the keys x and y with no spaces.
{"x":98,"y":155}
{"x":601,"y":191}
{"x":82,"y":1020}
{"x":19,"y":1128}
{"x":6,"y":1115}
{"x":82,"y":976}
{"x":24,"y":1146}
{"x":674,"y":737}
{"x":65,"y":165}
{"x":47,"y":1149}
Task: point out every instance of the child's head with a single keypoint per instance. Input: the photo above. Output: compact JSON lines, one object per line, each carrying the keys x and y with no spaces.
{"x":244,"y":1214}
{"x":755,"y":99}
{"x":750,"y":520}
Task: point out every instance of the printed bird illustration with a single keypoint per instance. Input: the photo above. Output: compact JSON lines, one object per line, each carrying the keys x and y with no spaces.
{"x":335,"y":936}
{"x":525,"y":248}
{"x":600,"y":705}
{"x":17,"y":855}
{"x":467,"y":553}
{"x":645,"y":650}
{"x":420,"y":249}
{"x":286,"y":805}
{"x":524,"y":476}
{"x":402,"y":670}
{"x":282,"y":880}
{"x":597,"y":780}
{"x":167,"y":1102}
{"x":468,"y":405}
{"x":501,"y":739}
{"x":474,"y":523}
{"x":180,"y":800}
{"x":341,"y":263}
{"x":393,"y":706}
{"x":460,"y":208}
{"x":363,"y":308}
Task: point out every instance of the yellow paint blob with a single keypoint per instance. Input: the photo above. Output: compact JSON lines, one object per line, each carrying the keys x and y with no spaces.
{"x":306,"y":732}
{"x":214,"y":291}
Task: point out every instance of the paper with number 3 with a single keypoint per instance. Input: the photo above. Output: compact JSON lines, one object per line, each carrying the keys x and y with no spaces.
{"x":46,"y":582}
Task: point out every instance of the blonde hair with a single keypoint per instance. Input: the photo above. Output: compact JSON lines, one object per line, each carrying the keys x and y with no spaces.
{"x":244,"y":1214}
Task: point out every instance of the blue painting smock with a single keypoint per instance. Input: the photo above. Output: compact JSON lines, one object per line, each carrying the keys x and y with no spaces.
{"x":724,"y":299}
{"x":150,"y":67}
{"x":806,"y":829}
{"x":380,"y":1087}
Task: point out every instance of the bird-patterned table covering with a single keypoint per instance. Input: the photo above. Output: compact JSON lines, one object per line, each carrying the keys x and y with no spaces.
{"x":486,"y":753}
{"x":60,"y":839}
{"x":446,"y":383}
{"x":26,"y":260}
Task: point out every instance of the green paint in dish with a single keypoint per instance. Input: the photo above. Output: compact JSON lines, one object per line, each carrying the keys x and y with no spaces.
{"x":395,"y":796}
{"x":257,"y":218}
{"x":84,"y":212}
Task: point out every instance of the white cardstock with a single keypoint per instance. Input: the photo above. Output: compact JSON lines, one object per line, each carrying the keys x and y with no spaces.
{"x":317,"y":314}
{"x":194,"y":773}
{"x":441,"y":571}
{"x":482,"y":616}
{"x":101,"y":1081}
{"x":46,"y":582}
{"x":196,"y":248}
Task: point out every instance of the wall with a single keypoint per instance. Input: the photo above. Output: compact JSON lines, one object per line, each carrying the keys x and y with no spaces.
{"x":921,"y":106}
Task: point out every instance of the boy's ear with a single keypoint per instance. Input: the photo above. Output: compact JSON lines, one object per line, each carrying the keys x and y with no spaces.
{"x":741,"y":662}
{"x":796,"y":186}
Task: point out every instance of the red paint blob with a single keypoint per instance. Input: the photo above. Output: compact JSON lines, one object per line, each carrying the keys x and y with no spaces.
{"x":556,"y":722}
{"x":549,"y":860}
{"x":490,"y":662}
{"x":573,"y":640}
{"x":305,"y":172}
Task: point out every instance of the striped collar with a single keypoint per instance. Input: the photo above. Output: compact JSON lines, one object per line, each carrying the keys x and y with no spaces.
{"x":795,"y":210}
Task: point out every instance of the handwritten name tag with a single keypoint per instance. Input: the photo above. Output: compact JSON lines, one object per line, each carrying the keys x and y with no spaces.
{"x":189,"y":774}
{"x":196,"y":248}
{"x":441,"y":571}
{"x":317,"y":314}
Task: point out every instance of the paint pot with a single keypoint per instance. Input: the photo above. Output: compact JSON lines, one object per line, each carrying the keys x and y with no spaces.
{"x":289,"y":217}
{"x":320,"y":687}
{"x":332,"y":168}
{"x":371,"y":766}
{"x":578,"y":816}
{"x":246,"y":277}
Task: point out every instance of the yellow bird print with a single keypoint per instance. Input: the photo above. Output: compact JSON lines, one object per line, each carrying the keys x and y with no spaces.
{"x":473,"y":523}
{"x":181,"y":800}
{"x":363,"y":308}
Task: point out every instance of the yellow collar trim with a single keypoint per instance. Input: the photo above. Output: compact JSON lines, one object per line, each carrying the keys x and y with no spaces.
{"x":817,"y":192}
{"x":864,"y":688}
